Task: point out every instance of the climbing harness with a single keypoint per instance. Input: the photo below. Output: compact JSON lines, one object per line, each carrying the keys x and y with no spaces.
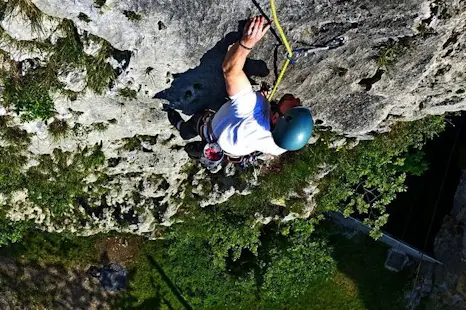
{"x":293,"y":54}
{"x":204,"y":126}
{"x":212,"y":156}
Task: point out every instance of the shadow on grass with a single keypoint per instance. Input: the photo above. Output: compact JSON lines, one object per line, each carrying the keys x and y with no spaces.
{"x":169,"y":283}
{"x":150,"y":287}
{"x":361,"y":282}
{"x":26,"y":285}
{"x":362,"y":260}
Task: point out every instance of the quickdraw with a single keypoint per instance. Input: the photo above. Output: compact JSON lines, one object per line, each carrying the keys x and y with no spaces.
{"x":293,"y":54}
{"x":304,"y":51}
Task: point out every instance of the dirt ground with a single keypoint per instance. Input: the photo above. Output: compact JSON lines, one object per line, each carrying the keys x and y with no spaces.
{"x":120,"y":250}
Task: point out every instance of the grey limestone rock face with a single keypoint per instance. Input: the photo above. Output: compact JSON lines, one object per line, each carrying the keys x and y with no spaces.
{"x":402,"y":60}
{"x":185,"y":41}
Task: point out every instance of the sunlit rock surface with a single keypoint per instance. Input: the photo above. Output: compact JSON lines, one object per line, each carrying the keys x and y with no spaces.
{"x":402,"y":60}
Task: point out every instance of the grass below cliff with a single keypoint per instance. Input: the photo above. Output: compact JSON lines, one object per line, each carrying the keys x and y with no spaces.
{"x":361,"y":281}
{"x":54,"y":248}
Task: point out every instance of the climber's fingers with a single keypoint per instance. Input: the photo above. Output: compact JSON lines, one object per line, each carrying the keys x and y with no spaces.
{"x":258,"y":25}
{"x":250,"y":26}
{"x":254,"y":30}
{"x":267,"y":27}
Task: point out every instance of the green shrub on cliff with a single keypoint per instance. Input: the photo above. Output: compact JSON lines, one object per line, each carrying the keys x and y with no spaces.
{"x":27,"y":9}
{"x":368,"y":177}
{"x":30,"y":95}
{"x":12,"y":232}
{"x":56,"y":183}
{"x":27,"y":88}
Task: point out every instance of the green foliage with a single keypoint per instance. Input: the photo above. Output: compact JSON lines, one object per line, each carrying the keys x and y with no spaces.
{"x":295,"y":262}
{"x":99,"y":3}
{"x":4,"y":121}
{"x":57,"y":182}
{"x":12,"y":232}
{"x":361,"y":281}
{"x":368,"y":177}
{"x":84,"y":17}
{"x":2,"y":9}
{"x":294,"y":270}
{"x":189,"y":264}
{"x":22,"y":45}
{"x":58,"y":128}
{"x":100,"y":74}
{"x":133,"y":16}
{"x":182,"y":271}
{"x":28,"y":92}
{"x":69,"y":52}
{"x":28,"y":95}
{"x":226,"y":233}
{"x":46,"y":248}
{"x":178,"y":273}
{"x":414,"y":163}
{"x":390,"y":53}
{"x":69,"y":94}
{"x":11,"y":176}
{"x":15,"y":135}
{"x":424,"y":30}
{"x":127,"y":93}
{"x":100,"y":126}
{"x":135,"y":143}
{"x":132,"y":143}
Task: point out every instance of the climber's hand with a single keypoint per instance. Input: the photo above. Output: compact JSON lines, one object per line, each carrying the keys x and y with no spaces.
{"x":233,"y":64}
{"x":254,"y":31}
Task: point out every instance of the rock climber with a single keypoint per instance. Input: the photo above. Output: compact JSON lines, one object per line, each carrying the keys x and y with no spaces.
{"x":247,"y":123}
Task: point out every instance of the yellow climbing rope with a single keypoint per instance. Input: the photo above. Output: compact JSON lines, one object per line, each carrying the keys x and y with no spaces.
{"x":287,"y":46}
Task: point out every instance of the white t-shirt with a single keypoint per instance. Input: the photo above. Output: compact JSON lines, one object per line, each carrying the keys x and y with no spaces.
{"x":242,"y":125}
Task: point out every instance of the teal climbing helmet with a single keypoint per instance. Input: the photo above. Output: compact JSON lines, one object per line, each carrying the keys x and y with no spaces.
{"x":293,"y":129}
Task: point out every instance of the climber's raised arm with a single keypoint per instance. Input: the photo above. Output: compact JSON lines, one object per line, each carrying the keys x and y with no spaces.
{"x":235,"y":78}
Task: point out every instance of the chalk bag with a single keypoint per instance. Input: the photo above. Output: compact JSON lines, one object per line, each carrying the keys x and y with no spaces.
{"x":212,"y":156}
